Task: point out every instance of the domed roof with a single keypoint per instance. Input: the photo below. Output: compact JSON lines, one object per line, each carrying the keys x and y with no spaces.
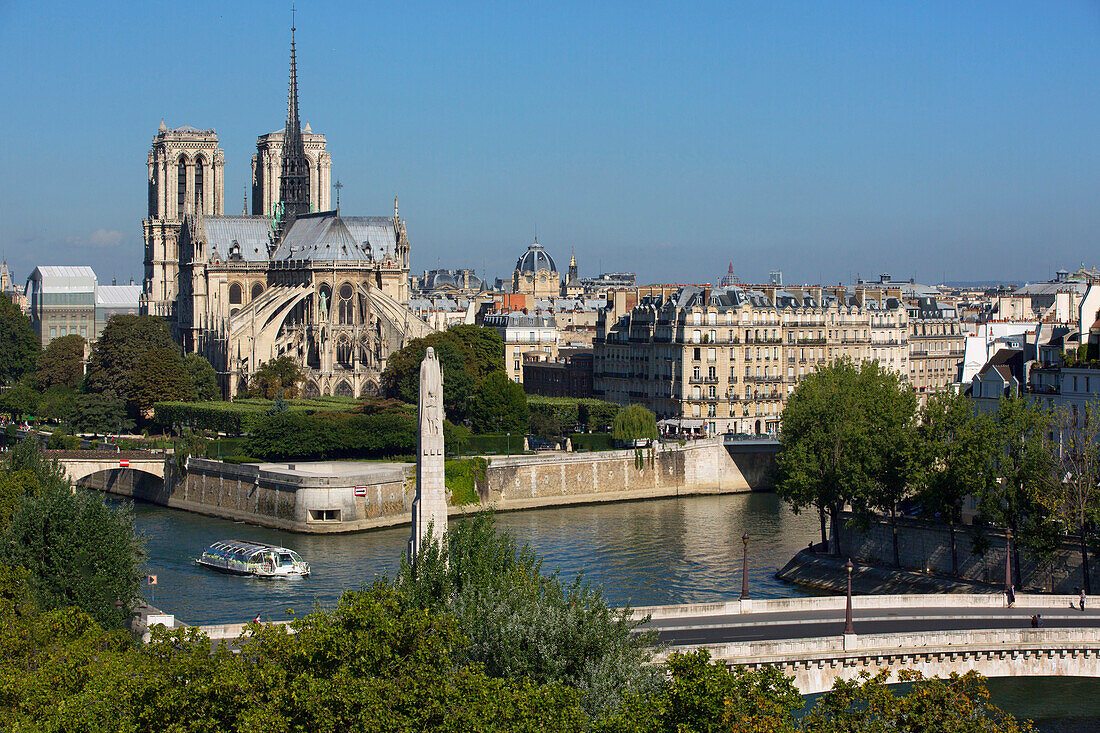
{"x":439,"y":279}
{"x":535,"y":258}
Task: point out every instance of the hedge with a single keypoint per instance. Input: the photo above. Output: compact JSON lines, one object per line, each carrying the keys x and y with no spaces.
{"x":595,"y":415}
{"x":240,"y":416}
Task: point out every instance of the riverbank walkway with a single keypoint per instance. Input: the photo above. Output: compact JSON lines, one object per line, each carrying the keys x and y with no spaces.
{"x":936,"y":634}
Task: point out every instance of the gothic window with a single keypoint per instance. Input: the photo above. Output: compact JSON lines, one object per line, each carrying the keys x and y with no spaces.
{"x":343,"y":353}
{"x":236,"y":296}
{"x":256,"y":290}
{"x":181,"y":187}
{"x":343,"y":389}
{"x":199,"y":162}
{"x":347,"y":308}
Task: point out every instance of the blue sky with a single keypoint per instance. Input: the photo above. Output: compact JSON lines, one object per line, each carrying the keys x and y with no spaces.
{"x":924,"y":139}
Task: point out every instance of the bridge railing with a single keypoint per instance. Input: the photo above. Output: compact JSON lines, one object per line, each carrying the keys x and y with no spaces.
{"x":837,"y":603}
{"x":964,"y":642}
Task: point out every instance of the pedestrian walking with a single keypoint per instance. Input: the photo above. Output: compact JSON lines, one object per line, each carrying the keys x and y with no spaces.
{"x":1010,"y":594}
{"x":1082,"y":599}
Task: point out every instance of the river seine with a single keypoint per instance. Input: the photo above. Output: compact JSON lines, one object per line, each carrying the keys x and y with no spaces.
{"x":680,"y":550}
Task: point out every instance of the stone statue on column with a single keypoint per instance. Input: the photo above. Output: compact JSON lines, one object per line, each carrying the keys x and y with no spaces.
{"x":429,"y":508}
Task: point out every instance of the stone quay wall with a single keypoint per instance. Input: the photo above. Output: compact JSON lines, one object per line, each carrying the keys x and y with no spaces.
{"x":699,"y":467}
{"x":346,"y":497}
{"x":926,"y":546}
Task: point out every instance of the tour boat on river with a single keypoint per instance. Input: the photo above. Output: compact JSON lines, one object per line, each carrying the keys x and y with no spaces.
{"x":241,"y":557}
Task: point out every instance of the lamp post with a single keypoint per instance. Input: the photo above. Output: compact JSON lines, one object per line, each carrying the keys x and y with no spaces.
{"x":745,"y":568}
{"x":1008,"y":559}
{"x":848,"y":627}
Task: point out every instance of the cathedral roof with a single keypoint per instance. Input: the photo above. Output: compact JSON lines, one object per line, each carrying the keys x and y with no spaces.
{"x":536,"y":258}
{"x":329,"y":237}
{"x":233,"y":237}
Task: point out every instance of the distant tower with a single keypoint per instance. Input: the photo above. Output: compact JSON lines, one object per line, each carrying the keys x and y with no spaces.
{"x":729,"y":279}
{"x":185,"y":177}
{"x":776,"y":277}
{"x":572,"y":272}
{"x":294,"y":179}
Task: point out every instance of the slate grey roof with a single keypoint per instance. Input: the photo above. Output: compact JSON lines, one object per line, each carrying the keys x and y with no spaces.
{"x":329,"y":237}
{"x":249,"y":233}
{"x":535,"y":258}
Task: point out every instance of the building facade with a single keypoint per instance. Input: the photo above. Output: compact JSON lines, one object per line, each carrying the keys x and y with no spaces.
{"x":523,"y":335}
{"x":68,"y":301}
{"x":731,"y":357}
{"x":936,"y":346}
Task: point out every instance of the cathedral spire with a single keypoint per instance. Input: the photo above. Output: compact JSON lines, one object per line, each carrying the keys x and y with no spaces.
{"x":294,"y":180}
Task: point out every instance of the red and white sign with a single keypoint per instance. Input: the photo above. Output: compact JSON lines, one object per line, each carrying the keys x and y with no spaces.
{"x":360,"y":490}
{"x":124,"y":463}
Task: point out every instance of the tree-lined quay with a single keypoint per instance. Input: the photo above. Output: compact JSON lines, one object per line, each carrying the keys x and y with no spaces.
{"x":853,"y":438}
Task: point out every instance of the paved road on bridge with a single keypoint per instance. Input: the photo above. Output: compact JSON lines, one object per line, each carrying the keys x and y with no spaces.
{"x":813,"y":624}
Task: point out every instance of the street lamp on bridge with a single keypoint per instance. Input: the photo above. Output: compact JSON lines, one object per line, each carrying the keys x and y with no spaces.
{"x":745,"y":568}
{"x":848,"y":627}
{"x":1008,"y":560}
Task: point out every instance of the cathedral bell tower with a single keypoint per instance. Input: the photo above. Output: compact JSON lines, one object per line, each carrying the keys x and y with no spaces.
{"x":185,"y":179}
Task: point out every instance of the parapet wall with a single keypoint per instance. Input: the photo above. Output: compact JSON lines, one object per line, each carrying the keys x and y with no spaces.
{"x":981,"y":554}
{"x":348,"y":496}
{"x":700,"y":467}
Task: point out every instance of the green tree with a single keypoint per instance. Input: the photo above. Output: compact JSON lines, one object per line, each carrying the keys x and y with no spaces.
{"x":19,"y":344}
{"x":101,"y":415}
{"x":955,"y":446}
{"x":499,"y":405}
{"x":58,"y":404}
{"x":160,"y":376}
{"x":1019,"y":468}
{"x":702,"y":695}
{"x":279,"y":377}
{"x":1072,"y":491}
{"x":522,"y":624}
{"x":204,"y":380}
{"x":61,"y":363}
{"x":634,"y":423}
{"x":115,"y":354}
{"x":79,"y":552}
{"x":839,"y":444}
{"x":545,"y":423}
{"x":18,"y":401}
{"x":959,"y":703}
{"x":467,"y":354}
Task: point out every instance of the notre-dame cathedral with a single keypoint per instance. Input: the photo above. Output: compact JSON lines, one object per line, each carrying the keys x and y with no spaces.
{"x":293,"y":278}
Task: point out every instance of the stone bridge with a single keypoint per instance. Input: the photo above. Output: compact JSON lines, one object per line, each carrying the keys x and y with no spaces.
{"x":81,"y":464}
{"x":936,"y":634}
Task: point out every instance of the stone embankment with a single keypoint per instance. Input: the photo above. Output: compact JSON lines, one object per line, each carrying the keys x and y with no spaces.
{"x":924,"y":551}
{"x":350,"y":496}
{"x":828,"y":573}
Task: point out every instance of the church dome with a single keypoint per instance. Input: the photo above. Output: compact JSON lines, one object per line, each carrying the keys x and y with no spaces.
{"x":440,"y":279}
{"x":536,"y":258}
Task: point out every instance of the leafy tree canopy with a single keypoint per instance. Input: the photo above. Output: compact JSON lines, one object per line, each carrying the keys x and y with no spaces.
{"x":499,"y":405}
{"x":19,"y":344}
{"x":122,"y":342}
{"x":18,"y":401}
{"x":101,"y":415}
{"x":78,"y":551}
{"x":61,"y":364}
{"x":467,"y":354}
{"x":634,"y":423}
{"x":520,"y":623}
{"x":846,"y":438}
{"x":160,"y":376}
{"x":280,"y":377}
{"x":58,"y":404}
{"x":204,"y":380}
